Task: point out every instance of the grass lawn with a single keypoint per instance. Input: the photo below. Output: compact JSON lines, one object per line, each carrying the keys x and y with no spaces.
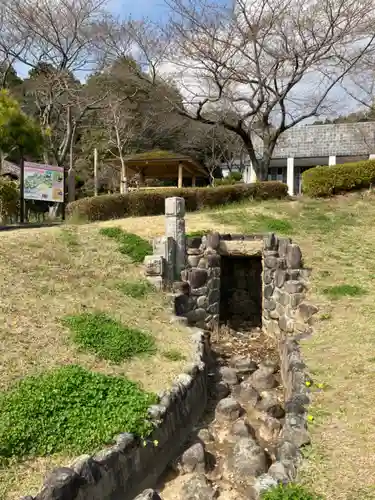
{"x":337,"y":238}
{"x":54,"y":274}
{"x":51,"y":273}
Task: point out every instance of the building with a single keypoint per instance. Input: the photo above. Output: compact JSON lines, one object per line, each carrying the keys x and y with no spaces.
{"x":301,"y":148}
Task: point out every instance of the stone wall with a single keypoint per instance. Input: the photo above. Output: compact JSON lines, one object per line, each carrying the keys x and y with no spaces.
{"x":285,"y":281}
{"x":125,"y":469}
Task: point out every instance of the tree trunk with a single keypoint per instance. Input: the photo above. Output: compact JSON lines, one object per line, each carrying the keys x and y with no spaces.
{"x":71,"y":173}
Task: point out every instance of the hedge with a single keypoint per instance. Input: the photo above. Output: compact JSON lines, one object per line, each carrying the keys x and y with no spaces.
{"x":151,"y":202}
{"x":329,"y":180}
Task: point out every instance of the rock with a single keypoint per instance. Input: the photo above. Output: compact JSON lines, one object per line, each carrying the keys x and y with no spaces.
{"x":263,"y":379}
{"x":213,"y":241}
{"x":268,"y":399}
{"x":193,"y":459}
{"x":270,"y":241}
{"x":247,"y":458}
{"x":306,"y":311}
{"x":148,"y":495}
{"x":197,"y":488}
{"x":293,"y":286}
{"x":61,"y":483}
{"x":197,"y":277}
{"x":276,"y":411}
{"x":293,"y":256}
{"x":228,"y":409}
{"x":298,"y":435}
{"x":261,"y":485}
{"x":240,"y":429}
{"x":248,"y":394}
{"x":286,"y":324}
{"x":278,"y":472}
{"x":269,"y":431}
{"x":221,"y":390}
{"x":193,"y":260}
{"x":288,"y":452}
{"x":196,"y":315}
{"x":243,"y":365}
{"x":228,"y":375}
{"x":205,"y":436}
{"x":268,"y":291}
{"x":280,"y":276}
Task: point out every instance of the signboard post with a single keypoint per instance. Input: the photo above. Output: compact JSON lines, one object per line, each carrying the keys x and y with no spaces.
{"x":41,"y":182}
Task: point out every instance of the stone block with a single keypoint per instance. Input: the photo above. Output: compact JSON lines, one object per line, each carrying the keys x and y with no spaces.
{"x":286,"y":324}
{"x":196,"y":315}
{"x":283,"y":246}
{"x":268,"y":291}
{"x":203,"y":264}
{"x":270,"y":262}
{"x":269,"y":304}
{"x":268,"y":276}
{"x":213,"y":241}
{"x":214,"y":284}
{"x":197,"y":278}
{"x":296,"y":299}
{"x":280,"y":276}
{"x":193,"y":260}
{"x":175,"y":207}
{"x":270,"y":242}
{"x":305,"y":311}
{"x":293,"y":256}
{"x":203,"y":290}
{"x":61,"y":483}
{"x":213,"y":296}
{"x":202,"y":302}
{"x":293,"y":286}
{"x":193,"y":242}
{"x":154,"y":265}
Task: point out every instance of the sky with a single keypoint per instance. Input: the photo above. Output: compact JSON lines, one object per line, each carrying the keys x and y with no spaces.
{"x":155,"y":10}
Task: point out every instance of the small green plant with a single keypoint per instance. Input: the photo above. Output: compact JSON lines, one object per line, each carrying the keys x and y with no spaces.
{"x":289,"y":492}
{"x":325,"y":316}
{"x":197,"y":234}
{"x":136,"y":289}
{"x":131,"y":244}
{"x":107,"y":338}
{"x":69,"y":409}
{"x":338,"y":291}
{"x":174,"y":355}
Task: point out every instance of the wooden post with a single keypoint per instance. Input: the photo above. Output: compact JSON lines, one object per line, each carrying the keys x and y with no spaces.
{"x":180,"y":175}
{"x":95,"y":172}
{"x":22,"y":187}
{"x":193,"y":181}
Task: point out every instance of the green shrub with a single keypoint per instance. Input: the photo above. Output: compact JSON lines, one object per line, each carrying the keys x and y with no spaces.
{"x":109,"y":339}
{"x":289,"y":492}
{"x":338,"y":291}
{"x":9,"y":200}
{"x":131,"y":244}
{"x":69,"y":409}
{"x":152,"y":202}
{"x":136,"y":289}
{"x":326,"y":181}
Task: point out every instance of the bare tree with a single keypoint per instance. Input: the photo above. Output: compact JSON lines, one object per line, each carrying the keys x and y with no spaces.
{"x":271,"y":63}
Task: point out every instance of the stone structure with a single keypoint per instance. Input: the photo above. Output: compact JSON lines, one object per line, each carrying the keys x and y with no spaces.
{"x":284,"y":282}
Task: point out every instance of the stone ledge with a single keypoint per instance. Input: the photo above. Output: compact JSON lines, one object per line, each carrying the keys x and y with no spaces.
{"x":127,"y":468}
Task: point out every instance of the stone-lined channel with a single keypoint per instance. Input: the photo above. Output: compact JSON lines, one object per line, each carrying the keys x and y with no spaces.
{"x":230,"y":454}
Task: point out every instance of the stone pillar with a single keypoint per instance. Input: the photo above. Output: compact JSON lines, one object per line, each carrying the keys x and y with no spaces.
{"x":290,"y":176}
{"x":175,"y":229}
{"x":249,"y":175}
{"x":332,"y":160}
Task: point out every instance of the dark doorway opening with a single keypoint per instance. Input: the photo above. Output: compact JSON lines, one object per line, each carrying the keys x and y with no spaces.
{"x":241,"y":292}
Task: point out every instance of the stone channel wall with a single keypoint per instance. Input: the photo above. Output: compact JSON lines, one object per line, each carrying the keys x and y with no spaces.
{"x":125,"y":469}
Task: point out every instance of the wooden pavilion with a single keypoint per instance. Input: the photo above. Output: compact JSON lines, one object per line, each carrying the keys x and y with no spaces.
{"x":159,"y":164}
